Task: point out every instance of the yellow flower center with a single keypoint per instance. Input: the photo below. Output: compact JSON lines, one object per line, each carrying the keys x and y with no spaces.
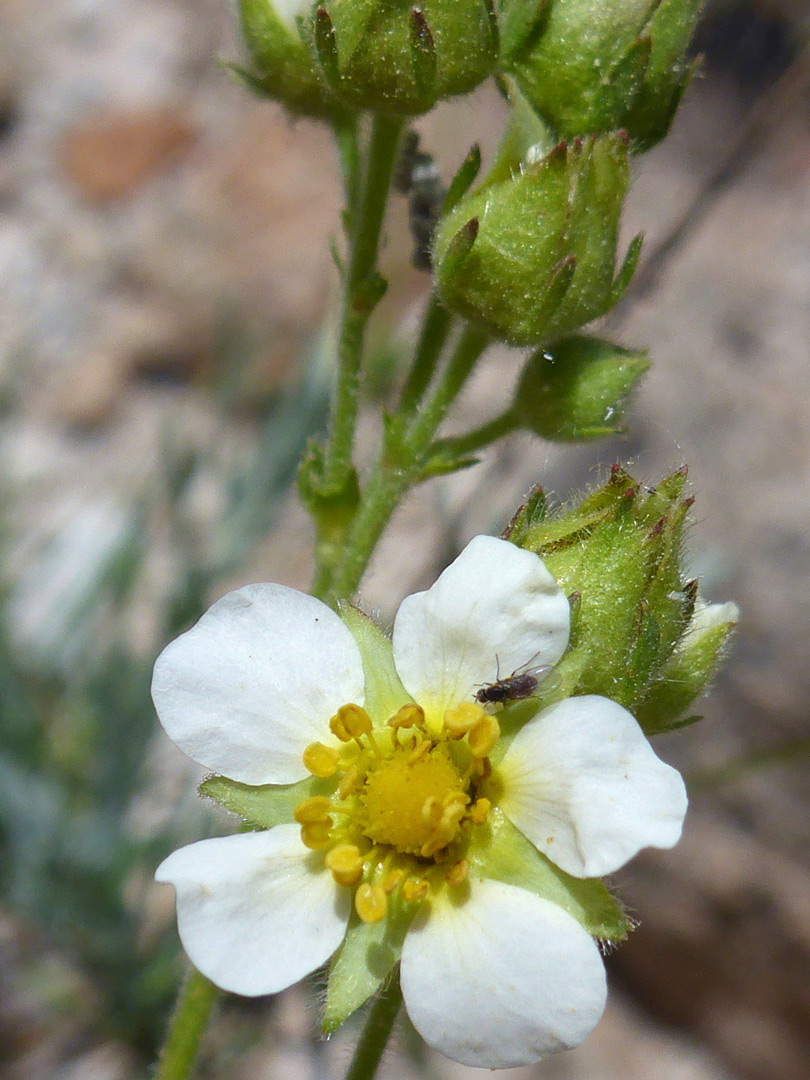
{"x":406,"y":799}
{"x":407,"y":794}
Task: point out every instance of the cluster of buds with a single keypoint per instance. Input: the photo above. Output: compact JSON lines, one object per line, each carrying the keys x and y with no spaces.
{"x":640,"y":633}
{"x":531,"y":254}
{"x":587,"y":66}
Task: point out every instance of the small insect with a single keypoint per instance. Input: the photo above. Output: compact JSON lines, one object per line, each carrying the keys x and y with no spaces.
{"x":418,"y":178}
{"x":521,"y":684}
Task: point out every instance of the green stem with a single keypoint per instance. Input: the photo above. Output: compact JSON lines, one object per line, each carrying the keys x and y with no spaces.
{"x":376,"y":1033}
{"x":391,"y":478}
{"x":346,"y":138}
{"x":479,"y":437}
{"x":360,"y":295}
{"x":182,"y":1044}
{"x":435,"y":330}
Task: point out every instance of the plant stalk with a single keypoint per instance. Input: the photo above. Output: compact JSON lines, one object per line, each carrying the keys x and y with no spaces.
{"x":361,"y":294}
{"x":181,"y":1047}
{"x":376,"y":1033}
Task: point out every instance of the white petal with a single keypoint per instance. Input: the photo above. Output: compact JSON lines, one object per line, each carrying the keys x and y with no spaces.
{"x":502,"y":979}
{"x":495,"y":607}
{"x":255,"y":681}
{"x":256,"y":912}
{"x":582,"y":782}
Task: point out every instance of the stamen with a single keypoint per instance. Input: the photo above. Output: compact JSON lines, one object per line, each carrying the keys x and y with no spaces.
{"x":315,"y":834}
{"x":480,"y":811}
{"x":408,"y":716}
{"x":346,"y":864}
{"x":320,"y":760}
{"x":483,"y":737}
{"x":415,"y":889}
{"x":370,"y":903}
{"x":419,"y":751}
{"x":458,"y":873}
{"x":463,"y":718}
{"x":349,"y":783}
{"x":312,"y":810}
{"x":431,"y":811}
{"x":391,"y":881}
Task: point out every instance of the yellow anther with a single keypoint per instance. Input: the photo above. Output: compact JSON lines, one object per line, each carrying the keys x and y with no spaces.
{"x":349,"y":783}
{"x":392,"y":881}
{"x":483,"y":736}
{"x":431,"y":811}
{"x":452,"y":815}
{"x":480,"y":811}
{"x":321,"y":760}
{"x":410,"y":715}
{"x":483,"y":767}
{"x":457,"y":873}
{"x":351,"y":719}
{"x":315,"y":834}
{"x":455,"y":797}
{"x":463,"y":718}
{"x":346,"y":864}
{"x":419,"y":751}
{"x":415,"y":889}
{"x":311,"y":810}
{"x":370,"y":903}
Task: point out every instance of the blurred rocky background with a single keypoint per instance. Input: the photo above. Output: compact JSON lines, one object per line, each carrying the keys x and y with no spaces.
{"x":165,"y":287}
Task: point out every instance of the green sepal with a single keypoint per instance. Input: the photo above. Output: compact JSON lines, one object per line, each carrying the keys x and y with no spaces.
{"x":364,"y":962}
{"x":521,"y":22}
{"x":385,"y":693}
{"x":501,"y":852}
{"x":527,"y":515}
{"x":684,"y":676}
{"x":464,"y":178}
{"x":264,"y":805}
{"x":627,"y":269}
{"x":637,"y":628}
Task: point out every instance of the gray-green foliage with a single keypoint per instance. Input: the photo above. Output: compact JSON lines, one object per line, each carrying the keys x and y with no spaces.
{"x":75,"y":737}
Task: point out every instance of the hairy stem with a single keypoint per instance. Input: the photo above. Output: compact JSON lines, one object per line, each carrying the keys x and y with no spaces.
{"x":435,"y":329}
{"x":479,"y":437}
{"x":398,"y":470}
{"x":360,"y":293}
{"x":186,"y":1027}
{"x":376,"y":1033}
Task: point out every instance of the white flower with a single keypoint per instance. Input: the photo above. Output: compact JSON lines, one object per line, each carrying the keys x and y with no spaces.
{"x":407,"y":805}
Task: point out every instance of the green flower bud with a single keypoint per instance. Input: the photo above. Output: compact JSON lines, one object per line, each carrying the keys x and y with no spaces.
{"x":639,"y":633}
{"x":395,"y":56}
{"x":282,"y":65}
{"x":598,"y":65}
{"x":576,"y":389}
{"x":533,"y":256}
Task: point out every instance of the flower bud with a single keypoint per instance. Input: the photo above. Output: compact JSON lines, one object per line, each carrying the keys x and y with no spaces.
{"x":575,"y":389}
{"x":598,"y":65}
{"x":639,"y":633}
{"x":400,"y":57}
{"x":533,"y":256}
{"x":282,"y":65}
